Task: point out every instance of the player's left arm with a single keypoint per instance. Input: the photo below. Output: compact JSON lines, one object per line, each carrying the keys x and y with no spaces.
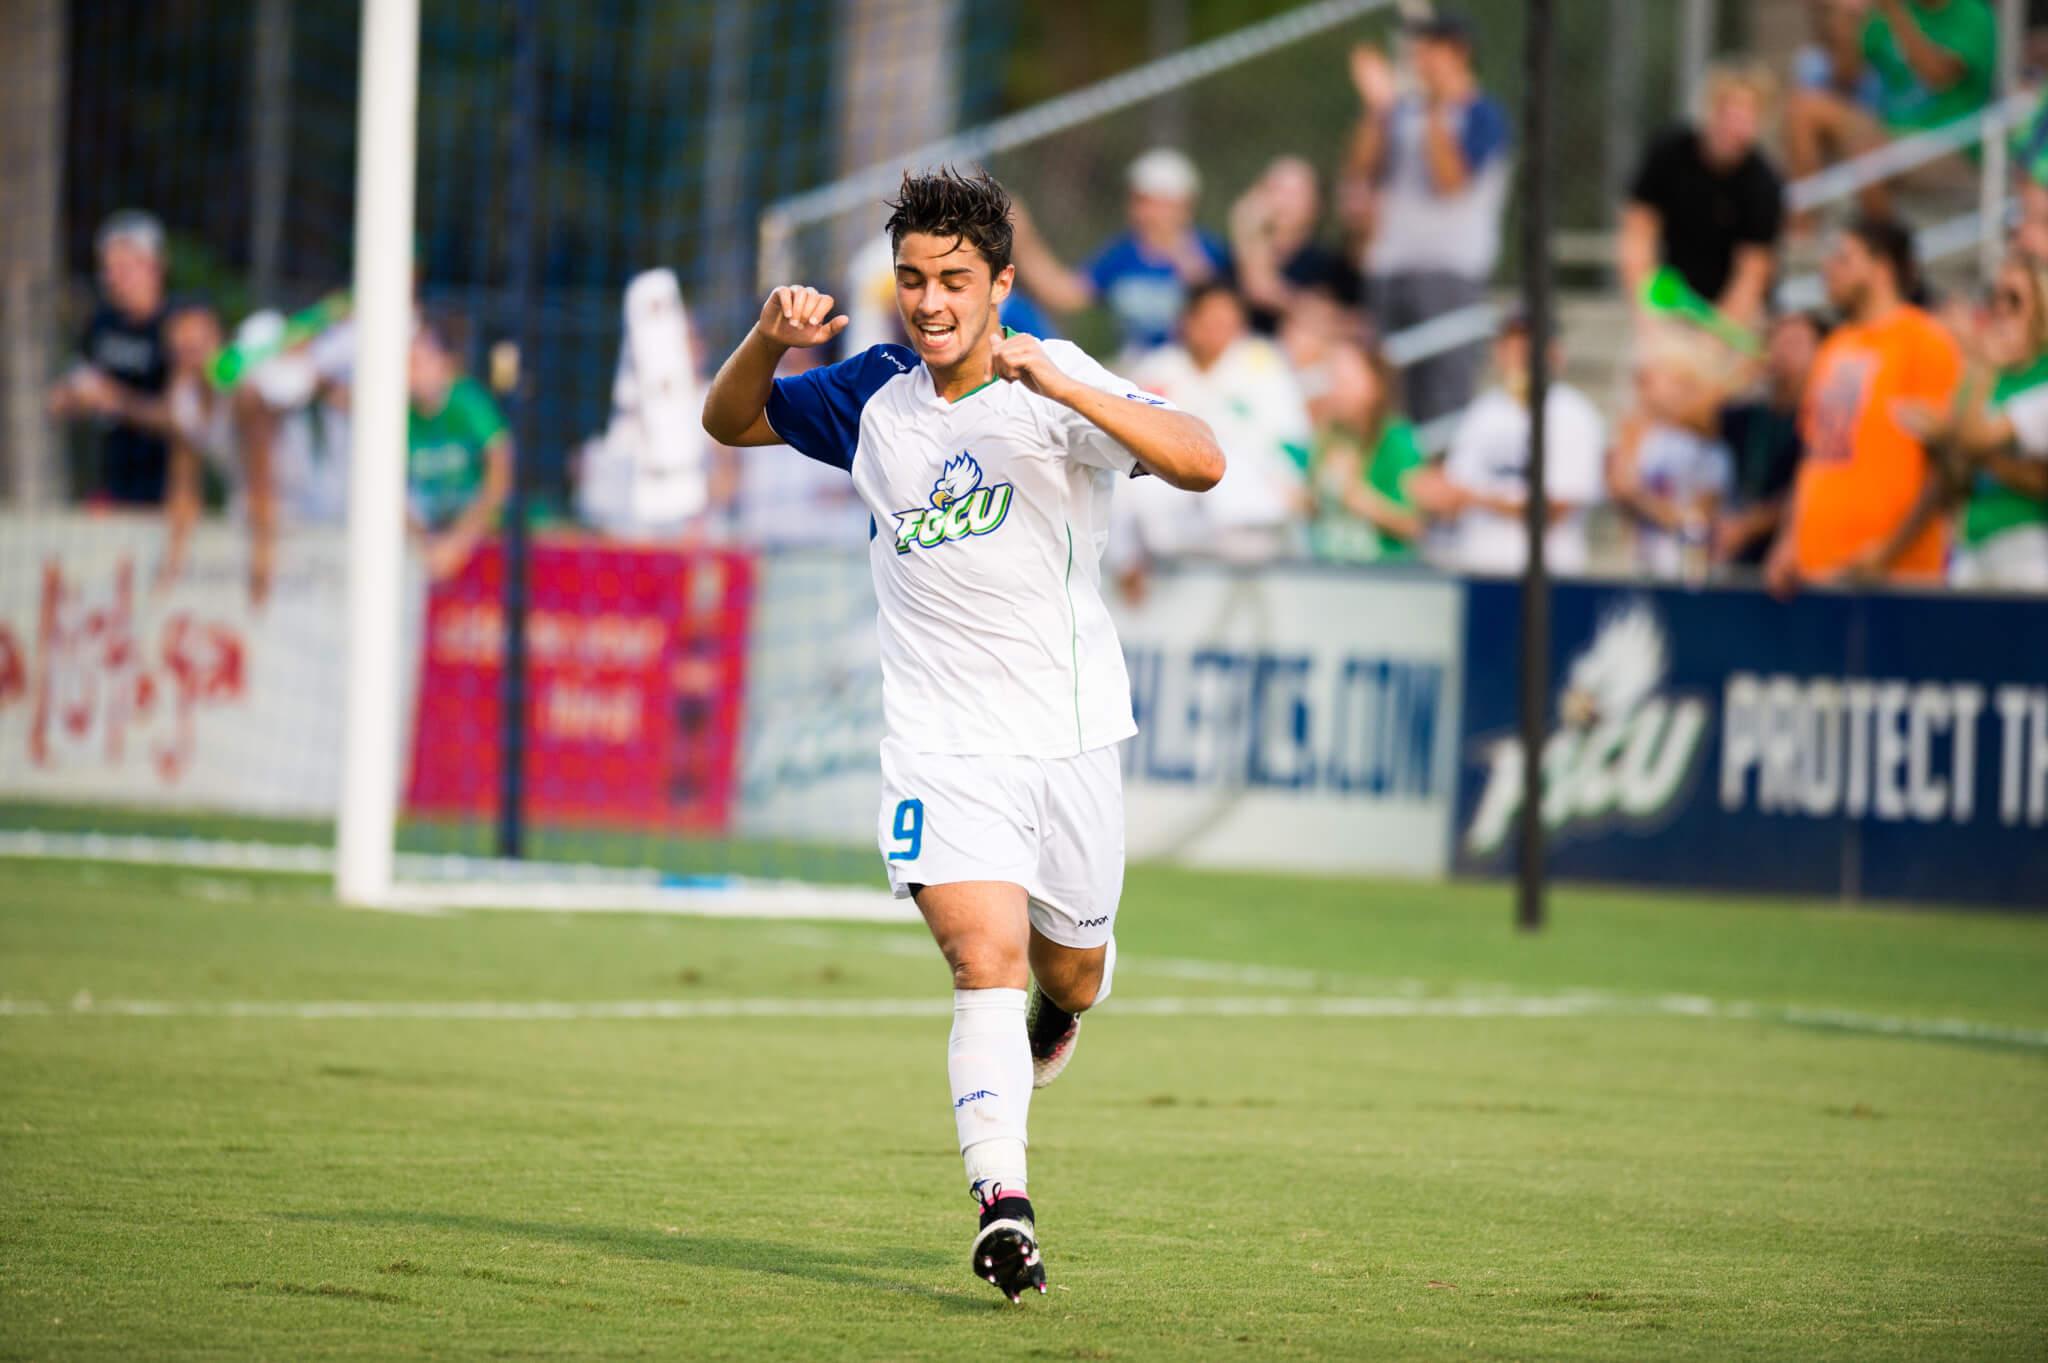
{"x":1171,"y":445}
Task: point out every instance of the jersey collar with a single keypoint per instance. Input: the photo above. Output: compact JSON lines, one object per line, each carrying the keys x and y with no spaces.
{"x":931,"y":395}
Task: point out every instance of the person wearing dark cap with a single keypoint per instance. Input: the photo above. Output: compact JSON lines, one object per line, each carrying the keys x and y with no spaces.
{"x":1436,"y":161}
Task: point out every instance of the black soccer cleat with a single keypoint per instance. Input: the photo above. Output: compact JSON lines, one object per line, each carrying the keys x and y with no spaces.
{"x":1054,"y":1032}
{"x":1005,"y":1249}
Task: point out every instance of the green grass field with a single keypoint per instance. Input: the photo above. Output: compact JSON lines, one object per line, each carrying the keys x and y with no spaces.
{"x":1321,"y":1119}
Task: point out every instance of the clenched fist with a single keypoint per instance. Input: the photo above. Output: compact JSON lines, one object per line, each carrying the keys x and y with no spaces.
{"x":795,"y":316}
{"x":1021,"y":359}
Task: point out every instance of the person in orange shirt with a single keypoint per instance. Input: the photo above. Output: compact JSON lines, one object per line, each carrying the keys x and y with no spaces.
{"x":1865,"y":471}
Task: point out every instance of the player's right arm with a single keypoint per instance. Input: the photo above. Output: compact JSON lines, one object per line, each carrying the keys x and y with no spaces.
{"x":736,"y":405}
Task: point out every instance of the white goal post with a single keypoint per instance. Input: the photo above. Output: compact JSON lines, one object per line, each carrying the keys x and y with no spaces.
{"x":387,"y":120}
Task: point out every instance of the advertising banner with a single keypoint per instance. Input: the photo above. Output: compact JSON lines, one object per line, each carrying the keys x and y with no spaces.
{"x":126,"y":679}
{"x":1288,"y":717}
{"x":1894,"y":746}
{"x":1293,"y":718}
{"x":810,"y":763}
{"x":636,"y":669}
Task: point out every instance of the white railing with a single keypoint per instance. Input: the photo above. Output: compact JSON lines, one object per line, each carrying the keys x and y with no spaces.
{"x":1908,"y":153}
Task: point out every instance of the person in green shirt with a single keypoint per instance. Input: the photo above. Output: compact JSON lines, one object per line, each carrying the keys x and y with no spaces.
{"x":1996,"y":450}
{"x":1935,"y":62}
{"x":458,"y":454}
{"x":1364,"y":456}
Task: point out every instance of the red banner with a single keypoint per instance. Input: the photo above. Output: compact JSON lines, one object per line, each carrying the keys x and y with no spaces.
{"x":635,"y":676}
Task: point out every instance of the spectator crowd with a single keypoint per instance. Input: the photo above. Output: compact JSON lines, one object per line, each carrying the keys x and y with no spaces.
{"x":1890,"y":435}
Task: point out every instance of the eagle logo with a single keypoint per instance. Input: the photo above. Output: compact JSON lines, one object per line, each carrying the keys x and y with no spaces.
{"x":959,"y":507}
{"x":957,"y":481}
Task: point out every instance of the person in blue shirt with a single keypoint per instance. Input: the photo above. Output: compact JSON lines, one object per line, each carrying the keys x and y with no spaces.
{"x":1142,"y":275}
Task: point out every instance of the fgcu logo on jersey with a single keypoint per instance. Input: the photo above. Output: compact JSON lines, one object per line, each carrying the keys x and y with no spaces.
{"x":960,"y":507}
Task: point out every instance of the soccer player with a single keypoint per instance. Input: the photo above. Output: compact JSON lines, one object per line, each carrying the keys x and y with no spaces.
{"x":986,"y":459}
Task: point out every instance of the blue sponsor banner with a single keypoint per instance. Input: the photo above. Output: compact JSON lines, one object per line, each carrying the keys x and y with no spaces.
{"x":1894,"y":746}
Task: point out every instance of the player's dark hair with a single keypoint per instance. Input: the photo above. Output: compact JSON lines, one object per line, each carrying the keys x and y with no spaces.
{"x":1891,"y":242}
{"x":944,"y":203}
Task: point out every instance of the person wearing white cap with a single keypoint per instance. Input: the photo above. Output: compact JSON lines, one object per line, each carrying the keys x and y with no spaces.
{"x":1143,"y":274}
{"x":124,"y":364}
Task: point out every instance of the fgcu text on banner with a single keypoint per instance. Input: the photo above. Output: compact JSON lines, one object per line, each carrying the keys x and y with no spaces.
{"x":128,"y":679}
{"x":636,"y":663}
{"x":1295,"y":718}
{"x":1884,"y":745}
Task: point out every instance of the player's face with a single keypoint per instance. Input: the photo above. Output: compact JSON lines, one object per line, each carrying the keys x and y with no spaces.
{"x":947,"y":296}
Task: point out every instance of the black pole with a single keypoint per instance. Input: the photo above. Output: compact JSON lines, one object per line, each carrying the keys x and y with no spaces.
{"x":522,"y":202}
{"x":1536,"y":200}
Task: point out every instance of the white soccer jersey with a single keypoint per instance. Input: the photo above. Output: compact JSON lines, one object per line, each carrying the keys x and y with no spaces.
{"x":990,"y":515}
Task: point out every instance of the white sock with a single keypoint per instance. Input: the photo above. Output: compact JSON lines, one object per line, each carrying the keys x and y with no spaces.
{"x":989,"y":1061}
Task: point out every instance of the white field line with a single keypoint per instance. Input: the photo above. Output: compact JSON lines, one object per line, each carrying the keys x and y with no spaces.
{"x":739,"y":899}
{"x":1570,"y":1005}
{"x":919,"y":946}
{"x":608,"y":889}
{"x":433,"y":883}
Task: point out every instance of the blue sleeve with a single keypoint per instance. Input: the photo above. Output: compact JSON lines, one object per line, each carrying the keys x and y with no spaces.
{"x":1485,"y":134}
{"x":818,"y":411}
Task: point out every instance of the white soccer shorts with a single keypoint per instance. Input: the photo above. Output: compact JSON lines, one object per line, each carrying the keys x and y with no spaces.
{"x":1054,"y":825}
